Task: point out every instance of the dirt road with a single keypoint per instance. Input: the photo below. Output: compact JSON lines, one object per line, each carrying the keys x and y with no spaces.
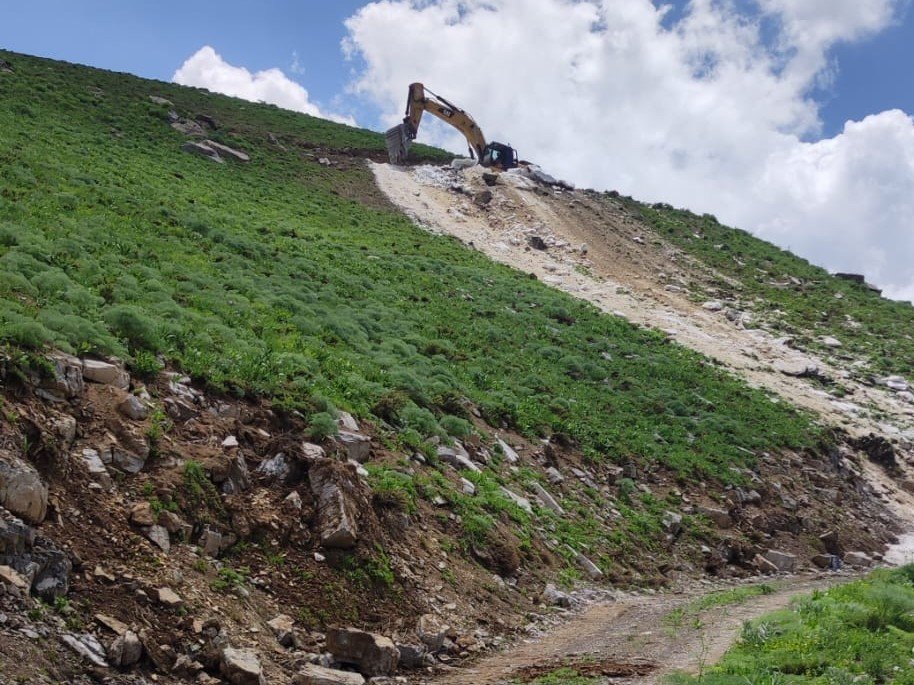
{"x":635,"y":638}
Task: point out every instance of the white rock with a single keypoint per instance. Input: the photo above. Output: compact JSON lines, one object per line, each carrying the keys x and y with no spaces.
{"x":230,"y":441}
{"x":105,"y":373}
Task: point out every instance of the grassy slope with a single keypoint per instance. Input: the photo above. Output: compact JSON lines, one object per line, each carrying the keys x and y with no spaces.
{"x":819,"y":306}
{"x":273,"y":277}
{"x":861,"y":633}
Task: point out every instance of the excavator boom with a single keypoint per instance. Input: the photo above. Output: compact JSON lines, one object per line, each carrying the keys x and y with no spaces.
{"x":399,"y":137}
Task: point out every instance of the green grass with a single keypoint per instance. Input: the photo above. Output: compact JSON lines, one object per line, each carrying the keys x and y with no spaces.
{"x":691,"y":611}
{"x":820,"y":305}
{"x":862,"y":632}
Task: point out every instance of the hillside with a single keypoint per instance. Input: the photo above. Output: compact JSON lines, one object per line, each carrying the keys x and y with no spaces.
{"x":256,"y":383}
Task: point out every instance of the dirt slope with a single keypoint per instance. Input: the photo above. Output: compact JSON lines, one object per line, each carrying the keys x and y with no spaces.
{"x":599,"y":252}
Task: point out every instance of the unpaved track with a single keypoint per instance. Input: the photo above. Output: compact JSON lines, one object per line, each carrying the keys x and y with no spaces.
{"x":633,"y":631}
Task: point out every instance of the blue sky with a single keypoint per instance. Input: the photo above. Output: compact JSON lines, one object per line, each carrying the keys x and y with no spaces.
{"x":789,"y":118}
{"x":152,"y":39}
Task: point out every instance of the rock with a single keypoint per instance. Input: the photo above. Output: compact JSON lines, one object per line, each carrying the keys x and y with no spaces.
{"x":125,"y":650}
{"x":141,"y":515}
{"x":105,"y":373}
{"x":719,"y":517}
{"x":826,"y":561}
{"x":467,"y":487}
{"x":64,"y":427}
{"x":280,"y":468}
{"x":590,"y":568}
{"x":432,"y":631}
{"x":829,"y":341}
{"x":832,"y":543}
{"x":169,"y":598}
{"x":878,"y":449}
{"x":200,"y":148}
{"x":160,"y":101}
{"x":337,"y":510}
{"x":235,"y":478}
{"x":896,"y":383}
{"x":489,"y":179}
{"x":159,"y":536}
{"x":522,"y":502}
{"x":547,"y":499}
{"x":67,"y":380}
{"x":87,"y":647}
{"x":133,"y":408}
{"x":537,"y":243}
{"x":412,"y":656}
{"x":555,"y":597}
{"x":21,"y":490}
{"x":672,"y":523}
{"x":189,"y":127}
{"x":230,"y":441}
{"x":483,"y":198}
{"x":226,"y":151}
{"x":208,"y":121}
{"x":371,"y":654}
{"x":11,"y":576}
{"x":713,"y":306}
{"x":455,"y":459}
{"x":858,"y":560}
{"x":282,"y":627}
{"x":175,"y":525}
{"x":241,"y":667}
{"x":312,"y":452}
{"x":312,"y":674}
{"x":124,"y":459}
{"x":510,"y":455}
{"x":213,"y":542}
{"x":763,"y":565}
{"x":347,"y":421}
{"x":554,"y":476}
{"x":6,"y":67}
{"x":179,"y":409}
{"x":356,"y":446}
{"x":782,"y":561}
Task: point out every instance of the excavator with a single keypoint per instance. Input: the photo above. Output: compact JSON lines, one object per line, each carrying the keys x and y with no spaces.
{"x":494,"y":155}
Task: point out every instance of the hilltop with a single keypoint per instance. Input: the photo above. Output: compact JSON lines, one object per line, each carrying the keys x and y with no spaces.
{"x":247,"y":399}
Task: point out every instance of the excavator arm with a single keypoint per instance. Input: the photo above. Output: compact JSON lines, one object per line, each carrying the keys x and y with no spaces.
{"x":399,"y":137}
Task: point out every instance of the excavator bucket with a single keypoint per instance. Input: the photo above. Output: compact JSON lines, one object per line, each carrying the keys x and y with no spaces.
{"x":398,"y":141}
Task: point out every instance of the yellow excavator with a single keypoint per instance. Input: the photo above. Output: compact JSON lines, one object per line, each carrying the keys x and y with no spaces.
{"x":494,"y":155}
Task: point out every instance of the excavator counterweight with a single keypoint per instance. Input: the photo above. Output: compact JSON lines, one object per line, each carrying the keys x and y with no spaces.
{"x":398,"y":138}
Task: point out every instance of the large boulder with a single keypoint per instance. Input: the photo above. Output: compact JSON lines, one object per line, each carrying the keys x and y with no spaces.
{"x":105,"y":373}
{"x":372,"y":655}
{"x":782,"y":561}
{"x":226,"y":151}
{"x":335,"y":488}
{"x":21,"y":490}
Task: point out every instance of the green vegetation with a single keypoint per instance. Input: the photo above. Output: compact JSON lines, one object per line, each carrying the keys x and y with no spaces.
{"x":230,"y":579}
{"x":691,"y":611}
{"x":862,"y":632}
{"x":817,"y":305}
{"x":565,"y":676}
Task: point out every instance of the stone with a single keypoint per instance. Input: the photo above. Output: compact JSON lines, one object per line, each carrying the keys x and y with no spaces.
{"x":208,"y":121}
{"x":189,"y":127}
{"x":235,"y":478}
{"x":87,"y":647}
{"x":241,"y":667}
{"x":489,"y":179}
{"x":537,"y":243}
{"x":175,"y":525}
{"x":719,"y":517}
{"x":230,"y":442}
{"x":198,"y":148}
{"x":432,"y":630}
{"x":590,"y":568}
{"x":672,"y":523}
{"x":510,"y":455}
{"x":547,"y":499}
{"x":141,"y":515}
{"x":124,"y":459}
{"x":829,"y":341}
{"x":160,"y":101}
{"x":411,"y":656}
{"x":826,"y":561}
{"x":11,"y":576}
{"x":763,"y":565}
{"x":896,"y":383}
{"x":356,"y":446}
{"x":159,"y":536}
{"x":310,"y":451}
{"x":64,"y":427}
{"x":782,"y":561}
{"x":467,"y":487}
{"x":22,"y":491}
{"x":279,"y":468}
{"x":832,"y":543}
{"x":554,"y":476}
{"x":483,"y":198}
{"x":227,"y":152}
{"x":125,"y":650}
{"x":105,"y":373}
{"x":282,"y":627}
{"x":450,"y":456}
{"x":133,"y":408}
{"x":522,"y":502}
{"x":371,"y":654}
{"x":179,"y":409}
{"x":312,"y":674}
{"x":67,"y":380}
{"x":337,"y":511}
{"x":169,"y":598}
{"x":858,"y":560}
{"x":347,"y":421}
{"x":555,"y":597}
{"x":213,"y":542}
{"x":713,"y":306}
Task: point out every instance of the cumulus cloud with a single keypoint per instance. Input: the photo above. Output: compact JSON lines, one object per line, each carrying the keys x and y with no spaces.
{"x":712,"y":111}
{"x":207,"y":69}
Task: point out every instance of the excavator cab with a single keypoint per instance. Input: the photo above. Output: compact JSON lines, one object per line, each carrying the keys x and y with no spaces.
{"x":499,"y":155}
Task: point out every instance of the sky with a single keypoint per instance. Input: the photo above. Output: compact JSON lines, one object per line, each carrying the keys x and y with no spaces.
{"x":789,"y":118}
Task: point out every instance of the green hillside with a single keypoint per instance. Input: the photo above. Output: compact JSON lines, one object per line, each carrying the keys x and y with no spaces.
{"x":293,"y":279}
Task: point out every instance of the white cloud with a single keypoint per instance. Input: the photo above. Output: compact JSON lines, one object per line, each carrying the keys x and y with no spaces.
{"x":206,"y":69}
{"x":703,"y":113}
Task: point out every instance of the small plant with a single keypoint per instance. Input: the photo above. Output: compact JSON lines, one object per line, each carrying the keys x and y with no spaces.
{"x":322,"y":426}
{"x":230,"y":579}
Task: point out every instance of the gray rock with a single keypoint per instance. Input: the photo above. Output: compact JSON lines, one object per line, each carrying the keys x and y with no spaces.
{"x":782,"y":561}
{"x":282,"y":627}
{"x":189,"y":127}
{"x":826,"y":561}
{"x":160,"y":101}
{"x":371,"y":654}
{"x":547,"y":499}
{"x":180,"y":409}
{"x":467,"y":487}
{"x":713,"y":306}
{"x":721,"y":518}
{"x":213,"y":542}
{"x":87,"y":646}
{"x":226,"y":151}
{"x":432,"y":630}
{"x":829,"y":341}
{"x":554,"y":476}
{"x":858,"y":560}
{"x":347,"y":421}
{"x":277,"y":468}
{"x":133,"y":408}
{"x":169,"y":598}
{"x":522,"y":502}
{"x":450,"y":456}
{"x":356,"y":446}
{"x":337,"y":510}
{"x":672,"y":523}
{"x":555,"y":597}
{"x":241,"y":667}
{"x":510,"y":455}
{"x":105,"y":373}
{"x":312,"y":674}
{"x":590,"y":568}
{"x":67,"y":380}
{"x":125,"y":650}
{"x":200,"y":148}
{"x":159,"y":536}
{"x":236,"y":478}
{"x":412,"y":656}
{"x":21,"y":490}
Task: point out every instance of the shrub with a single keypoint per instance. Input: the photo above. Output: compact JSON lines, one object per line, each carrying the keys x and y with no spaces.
{"x":322,"y":426}
{"x":133,"y":325}
{"x":455,"y":426}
